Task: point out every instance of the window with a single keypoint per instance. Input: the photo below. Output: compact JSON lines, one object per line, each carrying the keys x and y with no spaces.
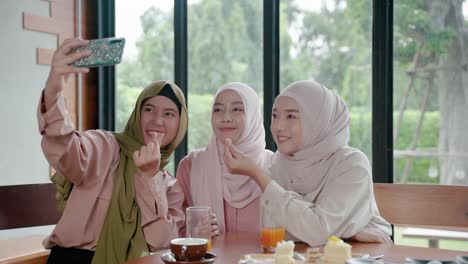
{"x":430,"y":102}
{"x":330,"y":41}
{"x":430,"y":145}
{"x":224,"y":45}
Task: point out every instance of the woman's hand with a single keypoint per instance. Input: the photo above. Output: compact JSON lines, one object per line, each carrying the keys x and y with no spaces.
{"x":372,"y":235}
{"x":60,"y":68}
{"x":238,"y":163}
{"x":214,"y":226}
{"x":148,"y":158}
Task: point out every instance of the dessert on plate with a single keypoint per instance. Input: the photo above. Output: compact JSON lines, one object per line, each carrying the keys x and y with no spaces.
{"x":284,"y":252}
{"x":336,"y":251}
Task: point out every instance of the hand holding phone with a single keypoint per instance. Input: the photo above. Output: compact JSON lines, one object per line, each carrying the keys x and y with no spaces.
{"x":104,"y":52}
{"x":60,"y":69}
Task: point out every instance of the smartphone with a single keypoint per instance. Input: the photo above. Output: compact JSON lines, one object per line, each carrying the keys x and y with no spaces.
{"x":105,"y":51}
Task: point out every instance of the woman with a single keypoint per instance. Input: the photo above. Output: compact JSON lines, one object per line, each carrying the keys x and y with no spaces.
{"x":118,"y":202}
{"x":234,"y":198}
{"x":318,"y":185}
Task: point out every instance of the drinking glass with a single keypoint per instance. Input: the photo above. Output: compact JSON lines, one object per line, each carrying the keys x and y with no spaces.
{"x":271,"y":232}
{"x":198,"y":223}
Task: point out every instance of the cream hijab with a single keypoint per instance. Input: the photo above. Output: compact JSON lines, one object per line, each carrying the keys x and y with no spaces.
{"x":325,"y":130}
{"x":208,"y":167}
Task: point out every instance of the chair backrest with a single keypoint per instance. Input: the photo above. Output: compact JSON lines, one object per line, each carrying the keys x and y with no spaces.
{"x":27,"y":205}
{"x":426,"y":205}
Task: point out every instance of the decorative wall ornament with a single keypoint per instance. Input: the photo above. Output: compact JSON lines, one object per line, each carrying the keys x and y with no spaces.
{"x":61,"y":22}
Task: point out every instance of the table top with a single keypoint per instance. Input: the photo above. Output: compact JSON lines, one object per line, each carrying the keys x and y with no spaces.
{"x":231,"y":247}
{"x":21,"y":249}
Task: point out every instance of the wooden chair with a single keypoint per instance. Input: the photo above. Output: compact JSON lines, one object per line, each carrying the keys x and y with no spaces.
{"x":26,"y":206}
{"x":429,"y":206}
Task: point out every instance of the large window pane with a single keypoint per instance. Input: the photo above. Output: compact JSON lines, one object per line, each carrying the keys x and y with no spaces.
{"x":430,"y":92}
{"x":148,"y":27}
{"x":430,"y":103}
{"x":224,"y":45}
{"x":330,"y":41}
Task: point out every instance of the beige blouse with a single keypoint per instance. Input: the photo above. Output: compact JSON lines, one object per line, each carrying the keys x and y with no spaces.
{"x":90,"y":160}
{"x":343,"y":204}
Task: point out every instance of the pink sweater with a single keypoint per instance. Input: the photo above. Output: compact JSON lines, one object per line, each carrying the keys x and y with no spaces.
{"x":90,"y":160}
{"x":244,"y":219}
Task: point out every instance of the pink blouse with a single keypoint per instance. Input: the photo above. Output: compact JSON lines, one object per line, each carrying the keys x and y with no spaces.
{"x":244,"y":219}
{"x":90,"y":160}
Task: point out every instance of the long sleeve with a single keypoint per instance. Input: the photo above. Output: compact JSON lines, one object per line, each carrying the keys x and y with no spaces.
{"x":75,"y":155}
{"x":160,"y":200}
{"x":342,"y":208}
{"x":183,"y":178}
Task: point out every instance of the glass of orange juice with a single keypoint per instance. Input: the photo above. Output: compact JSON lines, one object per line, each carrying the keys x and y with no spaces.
{"x":198,"y":223}
{"x":271,"y":233}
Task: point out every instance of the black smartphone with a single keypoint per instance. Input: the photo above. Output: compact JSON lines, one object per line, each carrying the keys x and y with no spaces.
{"x":105,"y":51}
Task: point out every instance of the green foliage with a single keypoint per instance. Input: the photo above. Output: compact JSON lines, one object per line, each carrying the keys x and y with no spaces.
{"x":156,"y":48}
{"x":413,"y":28}
{"x":332,"y":45}
{"x":429,"y":139}
{"x":124,"y":104}
{"x":361,"y":133}
{"x":225,"y":43}
{"x":414,"y":98}
{"x":439,"y":41}
{"x":199,"y":131}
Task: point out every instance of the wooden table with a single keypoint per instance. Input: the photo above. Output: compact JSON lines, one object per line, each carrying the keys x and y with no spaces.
{"x":230,"y":247}
{"x":23,"y":250}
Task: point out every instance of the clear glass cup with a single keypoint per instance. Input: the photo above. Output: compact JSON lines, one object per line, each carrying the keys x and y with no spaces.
{"x":198,"y":223}
{"x":271,"y":233}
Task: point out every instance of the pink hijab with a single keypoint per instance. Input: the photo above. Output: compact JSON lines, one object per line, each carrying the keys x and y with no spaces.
{"x":211,"y":183}
{"x":325,"y":130}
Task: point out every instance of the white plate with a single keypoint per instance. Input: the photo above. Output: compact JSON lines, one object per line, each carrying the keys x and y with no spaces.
{"x":266,"y":258}
{"x":462,"y":259}
{"x":427,"y":261}
{"x":363,"y":261}
{"x":258,"y":259}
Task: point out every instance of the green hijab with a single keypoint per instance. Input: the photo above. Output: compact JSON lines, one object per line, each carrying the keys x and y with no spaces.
{"x":121,"y":237}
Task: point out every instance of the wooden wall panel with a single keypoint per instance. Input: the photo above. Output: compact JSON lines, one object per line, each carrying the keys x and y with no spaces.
{"x":28,"y":205}
{"x":44,"y":56}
